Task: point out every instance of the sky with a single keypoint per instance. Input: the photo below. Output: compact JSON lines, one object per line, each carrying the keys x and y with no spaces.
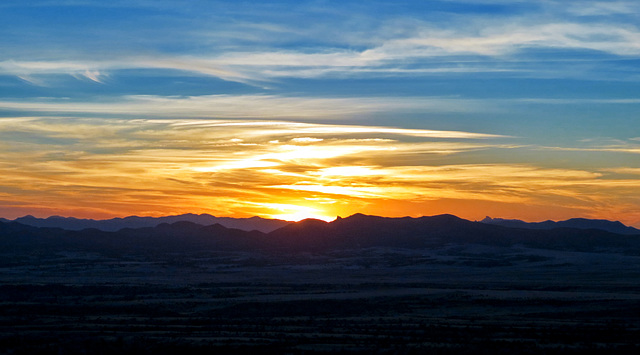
{"x":296,"y":109}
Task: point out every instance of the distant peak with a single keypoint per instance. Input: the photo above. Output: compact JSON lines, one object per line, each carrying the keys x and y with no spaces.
{"x":308,"y":223}
{"x":312,"y":220}
{"x":447,"y":215}
{"x":53,"y":218}
{"x":595,"y":221}
{"x":359,"y":215}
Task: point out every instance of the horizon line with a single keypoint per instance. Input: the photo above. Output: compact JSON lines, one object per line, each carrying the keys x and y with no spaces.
{"x":310,"y":218}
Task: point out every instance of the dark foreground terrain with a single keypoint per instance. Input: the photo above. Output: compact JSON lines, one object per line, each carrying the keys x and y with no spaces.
{"x":452,"y":300}
{"x":359,"y":285}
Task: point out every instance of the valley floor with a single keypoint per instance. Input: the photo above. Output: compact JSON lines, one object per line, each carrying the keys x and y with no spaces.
{"x":453,"y":300}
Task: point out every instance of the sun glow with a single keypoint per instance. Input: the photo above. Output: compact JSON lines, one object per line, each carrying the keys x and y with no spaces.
{"x":177,"y":167}
{"x":299,"y":216}
{"x":296,"y":213}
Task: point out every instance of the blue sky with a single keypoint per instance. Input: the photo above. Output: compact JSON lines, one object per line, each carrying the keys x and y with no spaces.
{"x":550,"y":86}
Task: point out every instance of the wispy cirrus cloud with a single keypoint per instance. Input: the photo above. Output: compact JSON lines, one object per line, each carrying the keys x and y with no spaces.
{"x":617,"y":146}
{"x":601,"y":8}
{"x":248,"y":106}
{"x":418,"y":50}
{"x":215,"y":165}
{"x":95,"y":69}
{"x":174,"y":165}
{"x":624,"y":170}
{"x":511,"y":38}
{"x":574,"y":101}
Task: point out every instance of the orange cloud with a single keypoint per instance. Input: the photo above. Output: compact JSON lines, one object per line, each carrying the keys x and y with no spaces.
{"x":287,"y":170}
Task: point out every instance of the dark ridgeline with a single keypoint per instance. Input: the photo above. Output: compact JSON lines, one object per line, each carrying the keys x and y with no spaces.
{"x":115,"y":224}
{"x":354,"y":232}
{"x":578,"y":223}
{"x":357,"y":285}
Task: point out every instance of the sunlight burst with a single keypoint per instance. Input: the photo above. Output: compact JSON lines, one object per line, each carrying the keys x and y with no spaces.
{"x":296,"y":213}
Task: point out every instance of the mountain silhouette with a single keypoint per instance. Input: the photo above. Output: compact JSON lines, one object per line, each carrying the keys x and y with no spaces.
{"x":579,"y":223}
{"x":354,"y":232}
{"x":115,"y":224}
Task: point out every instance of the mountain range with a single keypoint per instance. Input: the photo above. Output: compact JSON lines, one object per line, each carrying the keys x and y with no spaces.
{"x":354,"y":232}
{"x":579,"y":223}
{"x":115,"y":224}
{"x":268,"y":225}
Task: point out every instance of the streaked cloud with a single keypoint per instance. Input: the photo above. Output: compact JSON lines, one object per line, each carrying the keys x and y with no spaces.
{"x":388,"y":46}
{"x":247,"y":106}
{"x":566,"y":101}
{"x":624,"y":170}
{"x":93,"y":69}
{"x":388,"y":57}
{"x":622,"y":147}
{"x":277,"y":168}
{"x":602,"y":8}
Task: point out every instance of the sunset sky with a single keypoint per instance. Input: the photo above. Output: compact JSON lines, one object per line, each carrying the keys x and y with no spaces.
{"x":294,"y":109}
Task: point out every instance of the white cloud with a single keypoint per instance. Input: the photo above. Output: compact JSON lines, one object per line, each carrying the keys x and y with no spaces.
{"x":251,"y":106}
{"x":94,"y":69}
{"x":601,"y":8}
{"x":622,"y":148}
{"x":378,"y":54}
{"x":31,"y":80}
{"x":306,"y":140}
{"x":563,"y":101}
{"x":92,"y":75}
{"x":276,"y":128}
{"x":510,"y":38}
